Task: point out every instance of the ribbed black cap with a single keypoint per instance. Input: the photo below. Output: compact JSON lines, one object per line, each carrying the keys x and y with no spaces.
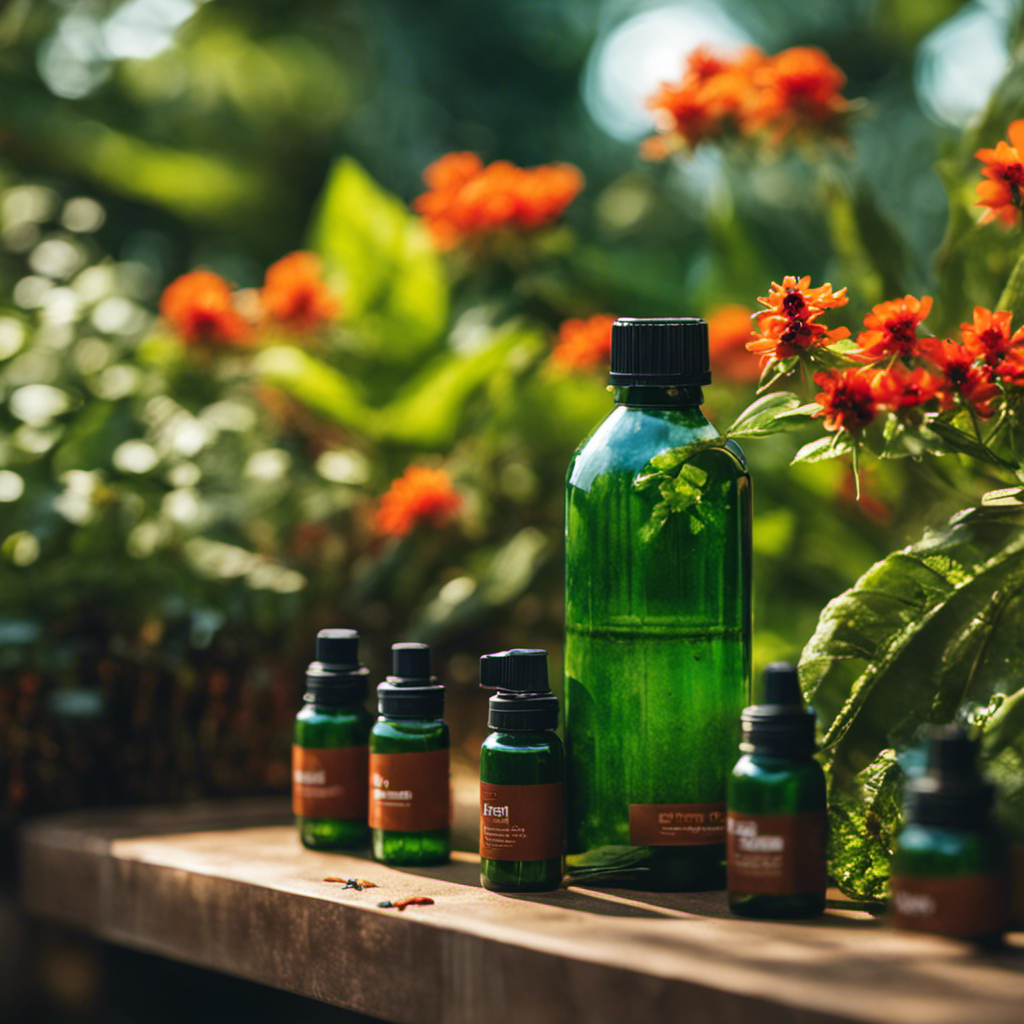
{"x":524,"y":701}
{"x":669,"y":351}
{"x":781,"y":725}
{"x":336,"y":677}
{"x":951,"y":793}
{"x":410,"y":691}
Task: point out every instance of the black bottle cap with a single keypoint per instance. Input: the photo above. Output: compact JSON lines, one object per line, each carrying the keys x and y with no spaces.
{"x":951,"y":793}
{"x":781,"y":725}
{"x":336,"y":677}
{"x":668,"y":351}
{"x":524,"y":701}
{"x":410,"y":691}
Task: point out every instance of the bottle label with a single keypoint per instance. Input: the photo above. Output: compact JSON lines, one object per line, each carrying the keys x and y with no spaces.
{"x":329,"y":782}
{"x":521,"y":822}
{"x":776,"y":854}
{"x":410,"y":792}
{"x":962,"y":907}
{"x":676,"y":824}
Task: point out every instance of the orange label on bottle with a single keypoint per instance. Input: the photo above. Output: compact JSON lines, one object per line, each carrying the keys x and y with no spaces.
{"x":676,"y":824}
{"x":965,"y":907}
{"x":329,"y":782}
{"x":776,"y":854}
{"x":410,"y":792}
{"x":521,"y":822}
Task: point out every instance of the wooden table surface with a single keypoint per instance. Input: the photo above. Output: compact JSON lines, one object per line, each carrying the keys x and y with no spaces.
{"x":231,"y":888}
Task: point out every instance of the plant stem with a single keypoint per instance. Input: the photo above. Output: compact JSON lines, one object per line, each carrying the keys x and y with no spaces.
{"x":1012,"y":298}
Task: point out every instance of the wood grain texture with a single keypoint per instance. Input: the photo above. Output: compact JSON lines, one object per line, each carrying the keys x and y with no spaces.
{"x":227,"y":889}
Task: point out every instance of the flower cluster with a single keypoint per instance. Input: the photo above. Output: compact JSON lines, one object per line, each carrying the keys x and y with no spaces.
{"x":420,"y":494}
{"x":905,"y":371}
{"x":467,"y":199}
{"x":1001,"y":192}
{"x":796,"y":93}
{"x":789,"y":324}
{"x":582,"y":344}
{"x":203,"y":309}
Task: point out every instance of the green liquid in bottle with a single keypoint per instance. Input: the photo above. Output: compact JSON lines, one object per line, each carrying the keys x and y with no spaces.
{"x":657,"y":634}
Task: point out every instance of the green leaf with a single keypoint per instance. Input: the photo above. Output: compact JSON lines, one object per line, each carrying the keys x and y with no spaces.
{"x":395,"y":289}
{"x":926,"y":634}
{"x":964,"y":443}
{"x":428,"y":411}
{"x":771,"y":414}
{"x":320,"y":387}
{"x":831,"y":447}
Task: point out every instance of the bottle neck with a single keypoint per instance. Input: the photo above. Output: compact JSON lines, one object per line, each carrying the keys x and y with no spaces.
{"x":649,"y":396}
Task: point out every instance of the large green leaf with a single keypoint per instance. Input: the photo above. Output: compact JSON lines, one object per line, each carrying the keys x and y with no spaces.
{"x":771,"y":414}
{"x":927,"y":634}
{"x":924,"y":630}
{"x":394,"y":282}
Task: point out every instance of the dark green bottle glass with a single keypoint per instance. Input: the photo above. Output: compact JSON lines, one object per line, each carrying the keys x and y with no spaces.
{"x":950,"y":871}
{"x":522,"y":832}
{"x":777,"y":811}
{"x":657,"y":654}
{"x":329,"y":755}
{"x":410,"y":802}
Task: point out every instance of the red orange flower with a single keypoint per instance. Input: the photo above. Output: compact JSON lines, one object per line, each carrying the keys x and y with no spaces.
{"x":420,"y":494}
{"x":847,"y":398}
{"x":989,"y":335}
{"x":729,"y":330}
{"x":892,"y":328}
{"x":961,"y":376}
{"x":788,"y":325}
{"x":799,"y":91}
{"x":1004,"y":169}
{"x":899,"y":388}
{"x":583,"y":343}
{"x":1011,"y":369}
{"x":466,"y":199}
{"x":295,"y":295}
{"x":198,"y":305}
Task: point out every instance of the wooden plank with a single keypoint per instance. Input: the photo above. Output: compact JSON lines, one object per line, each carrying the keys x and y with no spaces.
{"x":224,"y":889}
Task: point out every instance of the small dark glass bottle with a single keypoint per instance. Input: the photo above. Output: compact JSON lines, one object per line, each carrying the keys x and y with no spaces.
{"x":329,"y":755}
{"x":522,"y":830}
{"x":776,"y":818}
{"x":950,"y":866}
{"x":410,"y":802}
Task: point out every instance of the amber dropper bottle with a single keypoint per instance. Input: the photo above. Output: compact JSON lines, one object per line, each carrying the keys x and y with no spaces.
{"x":522,"y":832}
{"x":410,"y":804}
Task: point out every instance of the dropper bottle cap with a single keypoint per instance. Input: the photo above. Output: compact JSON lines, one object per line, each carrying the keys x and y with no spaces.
{"x":410,"y":691}
{"x":781,"y":725}
{"x":524,"y":701}
{"x":951,"y":793}
{"x":336,"y":676}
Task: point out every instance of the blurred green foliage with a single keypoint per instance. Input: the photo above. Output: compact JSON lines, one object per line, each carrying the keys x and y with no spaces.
{"x":175,"y":524}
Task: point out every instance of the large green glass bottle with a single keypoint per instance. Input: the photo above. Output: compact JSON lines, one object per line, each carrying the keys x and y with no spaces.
{"x":657,"y":619}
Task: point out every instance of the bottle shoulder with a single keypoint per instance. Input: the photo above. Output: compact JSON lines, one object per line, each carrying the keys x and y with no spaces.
{"x":312,"y":714}
{"x":523,"y":742}
{"x":409,"y":730}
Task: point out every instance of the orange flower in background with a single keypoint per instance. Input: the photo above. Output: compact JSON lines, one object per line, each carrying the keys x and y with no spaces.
{"x":583,"y":343}
{"x":892,"y":328}
{"x":798,"y":90}
{"x":729,"y":330}
{"x":1004,"y":169}
{"x":788,"y":325}
{"x":420,"y":494}
{"x":468,"y":200}
{"x":711,"y":99}
{"x":199,"y":306}
{"x":1011,"y":369}
{"x":295,"y":295}
{"x":989,"y":335}
{"x":899,"y":388}
{"x":847,"y":398}
{"x":960,"y":375}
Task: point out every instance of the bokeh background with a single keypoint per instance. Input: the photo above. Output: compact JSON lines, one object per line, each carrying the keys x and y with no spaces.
{"x":178,"y":520}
